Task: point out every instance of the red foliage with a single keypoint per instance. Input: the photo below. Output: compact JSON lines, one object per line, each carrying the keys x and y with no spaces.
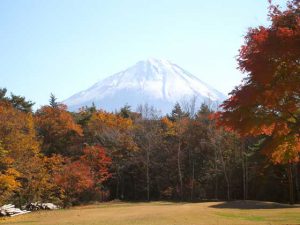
{"x":96,"y":158}
{"x":86,"y":173}
{"x":267,"y":102}
{"x":75,"y":177}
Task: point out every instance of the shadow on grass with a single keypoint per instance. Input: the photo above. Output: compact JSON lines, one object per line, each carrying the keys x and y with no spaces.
{"x":248,"y":204}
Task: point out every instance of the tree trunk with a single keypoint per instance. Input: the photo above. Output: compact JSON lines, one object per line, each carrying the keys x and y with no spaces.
{"x":216,"y":176}
{"x":118,"y":184}
{"x":228,"y":186}
{"x":147,"y":171}
{"x":291,"y":185}
{"x":245,"y":172}
{"x":179,"y":168}
{"x":226,"y":177}
{"x":193,"y":179}
{"x":122,"y":188}
{"x":134,"y":189}
{"x":296,"y":177}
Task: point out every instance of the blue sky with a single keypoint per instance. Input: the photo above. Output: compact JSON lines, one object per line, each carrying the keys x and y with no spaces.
{"x":65,"y":46}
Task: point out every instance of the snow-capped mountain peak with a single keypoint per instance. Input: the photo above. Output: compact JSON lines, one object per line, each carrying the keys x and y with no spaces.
{"x":157,"y":82}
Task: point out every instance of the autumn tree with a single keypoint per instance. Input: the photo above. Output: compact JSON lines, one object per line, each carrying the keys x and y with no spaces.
{"x":84,"y":175}
{"x":202,"y":160}
{"x":267,"y":102}
{"x":176,"y":125}
{"x":19,"y":151}
{"x":74,"y":178}
{"x":148,"y":136}
{"x":96,"y":158}
{"x":114,"y":133}
{"x":8,"y":176}
{"x":58,"y":130}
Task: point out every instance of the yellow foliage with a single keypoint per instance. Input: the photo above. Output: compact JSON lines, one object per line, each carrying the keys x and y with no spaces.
{"x":8,"y":184}
{"x":112,"y":131}
{"x":111,"y":120}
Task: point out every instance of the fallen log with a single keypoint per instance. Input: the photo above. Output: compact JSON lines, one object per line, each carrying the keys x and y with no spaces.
{"x":40,"y":206}
{"x":11,"y":210}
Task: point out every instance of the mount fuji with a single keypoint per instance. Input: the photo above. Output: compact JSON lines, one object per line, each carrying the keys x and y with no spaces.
{"x":159,"y":83}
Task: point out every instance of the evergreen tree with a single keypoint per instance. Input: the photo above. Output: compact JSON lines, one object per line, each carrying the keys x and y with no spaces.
{"x":125,"y":111}
{"x":177,"y":113}
{"x":53,"y":101}
{"x":3,"y":93}
{"x":17,"y":101}
{"x":20,"y":103}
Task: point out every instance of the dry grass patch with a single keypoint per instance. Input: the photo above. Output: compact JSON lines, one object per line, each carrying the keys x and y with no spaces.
{"x":164,"y":213}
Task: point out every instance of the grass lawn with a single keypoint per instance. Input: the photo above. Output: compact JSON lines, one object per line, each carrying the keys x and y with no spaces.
{"x":166,"y":213}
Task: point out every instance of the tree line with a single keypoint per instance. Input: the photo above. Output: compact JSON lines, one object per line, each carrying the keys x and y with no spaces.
{"x":92,"y":155}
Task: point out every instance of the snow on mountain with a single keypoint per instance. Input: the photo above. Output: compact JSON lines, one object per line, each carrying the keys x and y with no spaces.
{"x":159,"y":83}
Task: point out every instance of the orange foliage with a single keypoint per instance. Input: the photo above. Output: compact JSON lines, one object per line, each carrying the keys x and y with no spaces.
{"x":57,"y":128}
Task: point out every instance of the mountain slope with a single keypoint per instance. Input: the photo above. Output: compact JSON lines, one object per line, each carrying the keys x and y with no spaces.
{"x":157,"y":82}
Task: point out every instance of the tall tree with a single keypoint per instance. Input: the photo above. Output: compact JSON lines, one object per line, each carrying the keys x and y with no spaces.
{"x":177,"y":124}
{"x":19,"y":148}
{"x":148,"y":138}
{"x":95,"y":157}
{"x":114,"y":133}
{"x":267,"y":102}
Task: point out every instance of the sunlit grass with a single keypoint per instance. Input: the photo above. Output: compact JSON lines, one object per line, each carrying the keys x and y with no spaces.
{"x":156,"y":213}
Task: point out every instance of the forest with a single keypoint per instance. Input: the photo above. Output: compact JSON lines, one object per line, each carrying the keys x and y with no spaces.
{"x":247,"y":149}
{"x":92,"y":155}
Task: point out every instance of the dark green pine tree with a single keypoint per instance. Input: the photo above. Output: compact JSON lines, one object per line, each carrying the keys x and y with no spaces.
{"x":53,"y":101}
{"x":20,"y":103}
{"x":3,"y":93}
{"x":125,"y":111}
{"x":17,"y":101}
{"x":177,"y":113}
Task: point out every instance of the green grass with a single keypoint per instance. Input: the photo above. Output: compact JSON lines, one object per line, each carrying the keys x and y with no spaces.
{"x":242,"y":217}
{"x":164,"y":213}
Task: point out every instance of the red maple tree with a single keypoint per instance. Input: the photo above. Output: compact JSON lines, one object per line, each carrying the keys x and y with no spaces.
{"x":267,"y":102}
